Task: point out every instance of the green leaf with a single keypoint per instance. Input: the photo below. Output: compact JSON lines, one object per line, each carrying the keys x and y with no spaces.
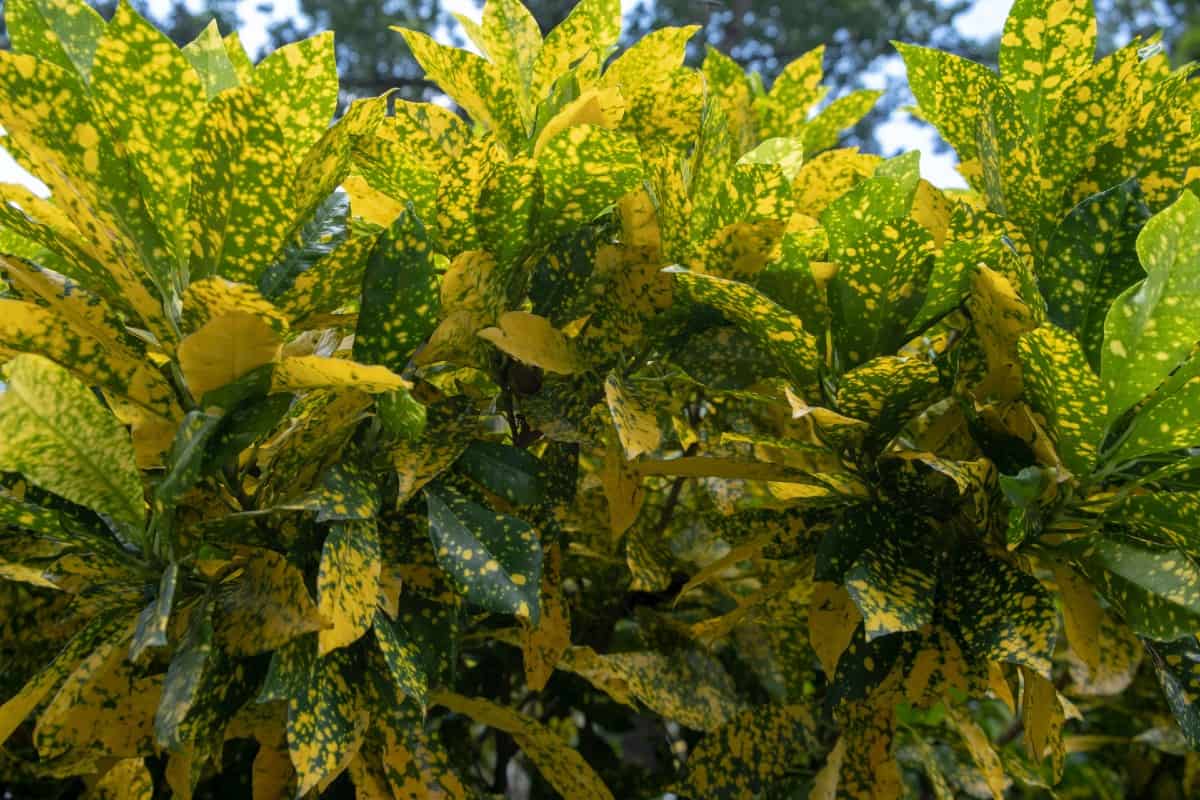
{"x":404,"y":657}
{"x":347,"y":492}
{"x":401,"y":414}
{"x":887,"y":391}
{"x":999,"y":613}
{"x":400,"y":293}
{"x":266,"y":607}
{"x":151,"y":629}
{"x":747,"y":755}
{"x":30,"y":517}
{"x":475,"y":84}
{"x":893,"y":584}
{"x":585,"y":169}
{"x":186,"y":457}
{"x":63,"y":32}
{"x":55,"y":432}
{"x":1152,"y":326}
{"x":822,"y":132}
{"x":510,"y":472}
{"x":300,"y":82}
{"x":951,"y":92}
{"x":1062,"y":387}
{"x":591,"y":29}
{"x":1167,"y":518}
{"x":883,"y":267}
{"x":495,"y":560}
{"x":1178,"y":667}
{"x":1092,"y":259}
{"x":1168,"y":421}
{"x":208,"y":56}
{"x":1156,"y":591}
{"x":325,"y":720}
{"x":1046,"y":43}
{"x":783,"y":334}
{"x":153,"y":99}
{"x":31,"y":694}
{"x":348,"y":582}
{"x":512,"y":41}
{"x":185,"y":679}
{"x":242,"y":217}
{"x":290,"y":669}
{"x":508,"y":200}
{"x":317,"y":239}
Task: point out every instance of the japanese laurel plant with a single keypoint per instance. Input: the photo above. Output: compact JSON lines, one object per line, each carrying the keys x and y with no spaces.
{"x":620,"y":436}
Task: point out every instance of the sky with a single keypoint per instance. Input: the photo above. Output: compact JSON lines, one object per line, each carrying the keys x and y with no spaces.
{"x":985,"y":19}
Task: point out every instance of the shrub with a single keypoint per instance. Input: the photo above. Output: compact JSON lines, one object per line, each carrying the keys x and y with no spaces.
{"x":629,"y":410}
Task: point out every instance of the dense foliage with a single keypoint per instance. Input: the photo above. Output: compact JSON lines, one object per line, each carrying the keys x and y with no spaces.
{"x":628,"y":438}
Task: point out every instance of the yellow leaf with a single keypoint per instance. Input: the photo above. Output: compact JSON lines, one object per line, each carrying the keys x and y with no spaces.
{"x":1043,"y":715}
{"x":370,"y":204}
{"x":602,"y":107}
{"x":348,"y":583}
{"x":832,"y":620}
{"x":544,"y":644}
{"x":301,"y":373}
{"x":623,"y":490}
{"x":532,"y":339}
{"x":560,"y":765}
{"x":128,"y":779}
{"x":981,"y":750}
{"x":224,"y":349}
{"x":634,"y":420}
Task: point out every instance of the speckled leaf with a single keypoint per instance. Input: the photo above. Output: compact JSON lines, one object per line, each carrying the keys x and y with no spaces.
{"x":403,"y":656}
{"x":474,"y":83}
{"x":584,"y":169}
{"x":559,"y":763}
{"x":833,"y":618}
{"x":326,"y":718}
{"x":543,"y":645}
{"x":1178,"y":667}
{"x":655,"y":54}
{"x":1045,"y":44}
{"x":822,"y":132}
{"x":510,"y":472}
{"x":347,"y":491}
{"x":32,"y":693}
{"x":494,"y":559}
{"x":153,"y":99}
{"x":1062,"y":387}
{"x":534,"y":340}
{"x":887,"y":391}
{"x":951,"y":92}
{"x":290,"y":669}
{"x":243,"y":67}
{"x":1000,"y":317}
{"x":209,"y":57}
{"x":348,"y":582}
{"x":1167,"y":518}
{"x":782,"y":333}
{"x":63,"y":32}
{"x":1168,"y":421}
{"x":1152,"y":325}
{"x":592,"y":28}
{"x":635,"y":421}
{"x":265,"y":607}
{"x":400,"y":296}
{"x":1091,"y":259}
{"x":152,"y":624}
{"x":883,"y":267}
{"x":333,"y":281}
{"x":55,"y":432}
{"x":1000,"y":613}
{"x":893,"y":584}
{"x":793,"y":94}
{"x":299,"y":373}
{"x":299,"y":81}
{"x":511,"y":38}
{"x":746,"y":755}
{"x":185,"y":681}
{"x":128,"y":779}
{"x":17,"y":514}
{"x":59,"y":332}
{"x":1156,"y":591}
{"x":240,"y":219}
